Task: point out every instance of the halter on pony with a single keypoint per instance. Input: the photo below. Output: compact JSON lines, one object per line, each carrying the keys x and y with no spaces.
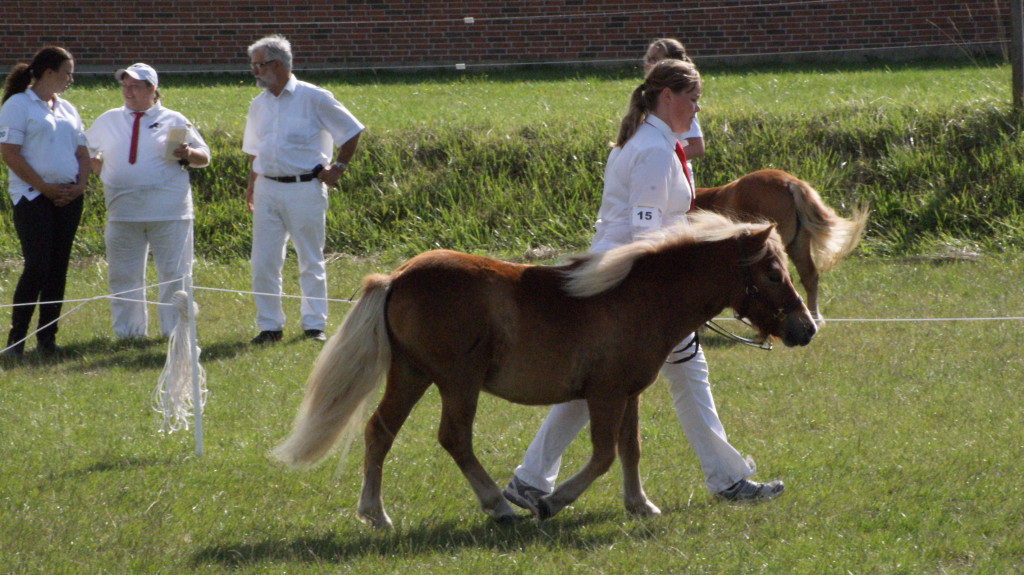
{"x":765,"y":343}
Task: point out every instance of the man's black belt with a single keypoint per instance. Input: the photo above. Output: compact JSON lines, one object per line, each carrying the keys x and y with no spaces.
{"x":300,"y":178}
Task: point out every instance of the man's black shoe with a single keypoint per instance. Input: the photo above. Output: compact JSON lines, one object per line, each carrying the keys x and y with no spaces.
{"x":317,"y":334}
{"x":267,"y":337}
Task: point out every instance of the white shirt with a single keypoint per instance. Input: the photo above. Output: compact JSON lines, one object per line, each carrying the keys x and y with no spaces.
{"x":48,"y":140}
{"x":291,"y":133}
{"x":154,"y":188}
{"x":645,"y":173}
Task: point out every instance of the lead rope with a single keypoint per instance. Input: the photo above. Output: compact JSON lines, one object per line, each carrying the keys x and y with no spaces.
{"x":694,"y":343}
{"x":765,"y":344}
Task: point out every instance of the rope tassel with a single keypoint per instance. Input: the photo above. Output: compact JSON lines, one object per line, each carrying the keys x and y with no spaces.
{"x":174,"y":396}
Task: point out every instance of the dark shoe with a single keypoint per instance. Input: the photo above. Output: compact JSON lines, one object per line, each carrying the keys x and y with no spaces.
{"x":267,"y":337}
{"x":317,"y":334}
{"x":49,"y":348}
{"x":14,"y":353}
{"x":524,"y":495}
{"x":745,"y":490}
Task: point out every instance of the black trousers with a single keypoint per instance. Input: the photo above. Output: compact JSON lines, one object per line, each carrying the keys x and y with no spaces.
{"x":46,"y":233}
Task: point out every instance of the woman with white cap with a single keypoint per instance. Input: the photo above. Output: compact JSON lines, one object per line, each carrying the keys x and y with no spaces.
{"x":140,"y":151}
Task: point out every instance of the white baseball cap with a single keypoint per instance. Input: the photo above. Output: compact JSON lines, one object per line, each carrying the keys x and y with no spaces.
{"x":138,"y":71}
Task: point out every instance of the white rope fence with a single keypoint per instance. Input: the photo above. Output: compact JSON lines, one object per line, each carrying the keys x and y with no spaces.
{"x":181,"y":391}
{"x":183,"y":380}
{"x":923,"y":319}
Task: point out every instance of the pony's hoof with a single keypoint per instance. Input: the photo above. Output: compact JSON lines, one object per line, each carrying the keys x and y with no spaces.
{"x":377,"y":521}
{"x":506,"y":519}
{"x":643,"y":509}
{"x":544,"y":510}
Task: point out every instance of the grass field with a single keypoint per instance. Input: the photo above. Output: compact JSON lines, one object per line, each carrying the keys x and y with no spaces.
{"x":899,"y":444}
{"x":899,"y":439}
{"x":512,"y":162}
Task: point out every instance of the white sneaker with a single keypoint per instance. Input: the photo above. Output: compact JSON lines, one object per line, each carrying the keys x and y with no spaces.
{"x":523,"y":494}
{"x":745,"y":490}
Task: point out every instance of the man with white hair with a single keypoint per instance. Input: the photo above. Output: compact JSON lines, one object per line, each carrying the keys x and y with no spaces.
{"x":290,"y":135}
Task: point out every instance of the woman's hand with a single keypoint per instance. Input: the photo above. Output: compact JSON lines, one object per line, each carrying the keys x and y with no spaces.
{"x":183,"y":152}
{"x":64,"y":194}
{"x":51,"y":191}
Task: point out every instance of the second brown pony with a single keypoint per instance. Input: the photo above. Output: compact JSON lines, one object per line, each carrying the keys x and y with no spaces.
{"x":815,"y":237}
{"x":598,"y":328}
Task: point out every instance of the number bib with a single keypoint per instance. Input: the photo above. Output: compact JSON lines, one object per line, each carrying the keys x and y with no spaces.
{"x":646,"y":218}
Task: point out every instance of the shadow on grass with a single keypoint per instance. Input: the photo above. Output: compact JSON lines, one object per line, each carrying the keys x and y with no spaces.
{"x":104,"y":353}
{"x":447,"y":536}
{"x":115,"y":464}
{"x":224,"y":349}
{"x":100,"y":352}
{"x":137,"y":353}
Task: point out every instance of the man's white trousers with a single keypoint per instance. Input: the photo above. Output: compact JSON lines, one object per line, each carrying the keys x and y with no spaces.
{"x":295,"y":211}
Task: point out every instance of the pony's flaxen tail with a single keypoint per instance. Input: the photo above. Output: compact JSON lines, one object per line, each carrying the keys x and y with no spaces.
{"x":347,"y":372}
{"x":832,"y":237}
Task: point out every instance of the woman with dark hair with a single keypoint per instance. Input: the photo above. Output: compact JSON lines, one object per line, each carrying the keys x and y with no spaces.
{"x":42,"y":141}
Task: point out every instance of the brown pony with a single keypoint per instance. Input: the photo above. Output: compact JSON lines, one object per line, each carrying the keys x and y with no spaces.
{"x":598,"y":328}
{"x":815,"y":237}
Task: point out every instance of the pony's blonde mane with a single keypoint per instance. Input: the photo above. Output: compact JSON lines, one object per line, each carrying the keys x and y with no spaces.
{"x":597,"y":273}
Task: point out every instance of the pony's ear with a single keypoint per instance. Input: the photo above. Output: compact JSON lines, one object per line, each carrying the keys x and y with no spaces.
{"x":759,"y":235}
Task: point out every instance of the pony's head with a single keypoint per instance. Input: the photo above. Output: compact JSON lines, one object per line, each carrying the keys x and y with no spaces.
{"x":764,"y":295}
{"x":769,"y":301}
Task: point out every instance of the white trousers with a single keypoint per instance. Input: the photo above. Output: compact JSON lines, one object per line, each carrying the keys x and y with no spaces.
{"x":128,"y":245}
{"x":688,"y":384}
{"x":296,"y":211}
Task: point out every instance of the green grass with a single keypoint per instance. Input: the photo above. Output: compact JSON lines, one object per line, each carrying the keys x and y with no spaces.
{"x":899,"y":444}
{"x":510,"y":162}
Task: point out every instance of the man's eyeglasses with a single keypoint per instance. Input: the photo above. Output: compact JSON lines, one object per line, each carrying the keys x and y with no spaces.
{"x":261,"y":65}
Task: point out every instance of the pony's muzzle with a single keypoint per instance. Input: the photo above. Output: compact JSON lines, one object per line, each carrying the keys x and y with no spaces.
{"x":798,"y":328}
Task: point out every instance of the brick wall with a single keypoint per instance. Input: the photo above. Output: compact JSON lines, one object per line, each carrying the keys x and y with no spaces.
{"x":213,"y":34}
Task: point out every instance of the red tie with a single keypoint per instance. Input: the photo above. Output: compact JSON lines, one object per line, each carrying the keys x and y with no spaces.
{"x":681,"y":154}
{"x":135,"y":137}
